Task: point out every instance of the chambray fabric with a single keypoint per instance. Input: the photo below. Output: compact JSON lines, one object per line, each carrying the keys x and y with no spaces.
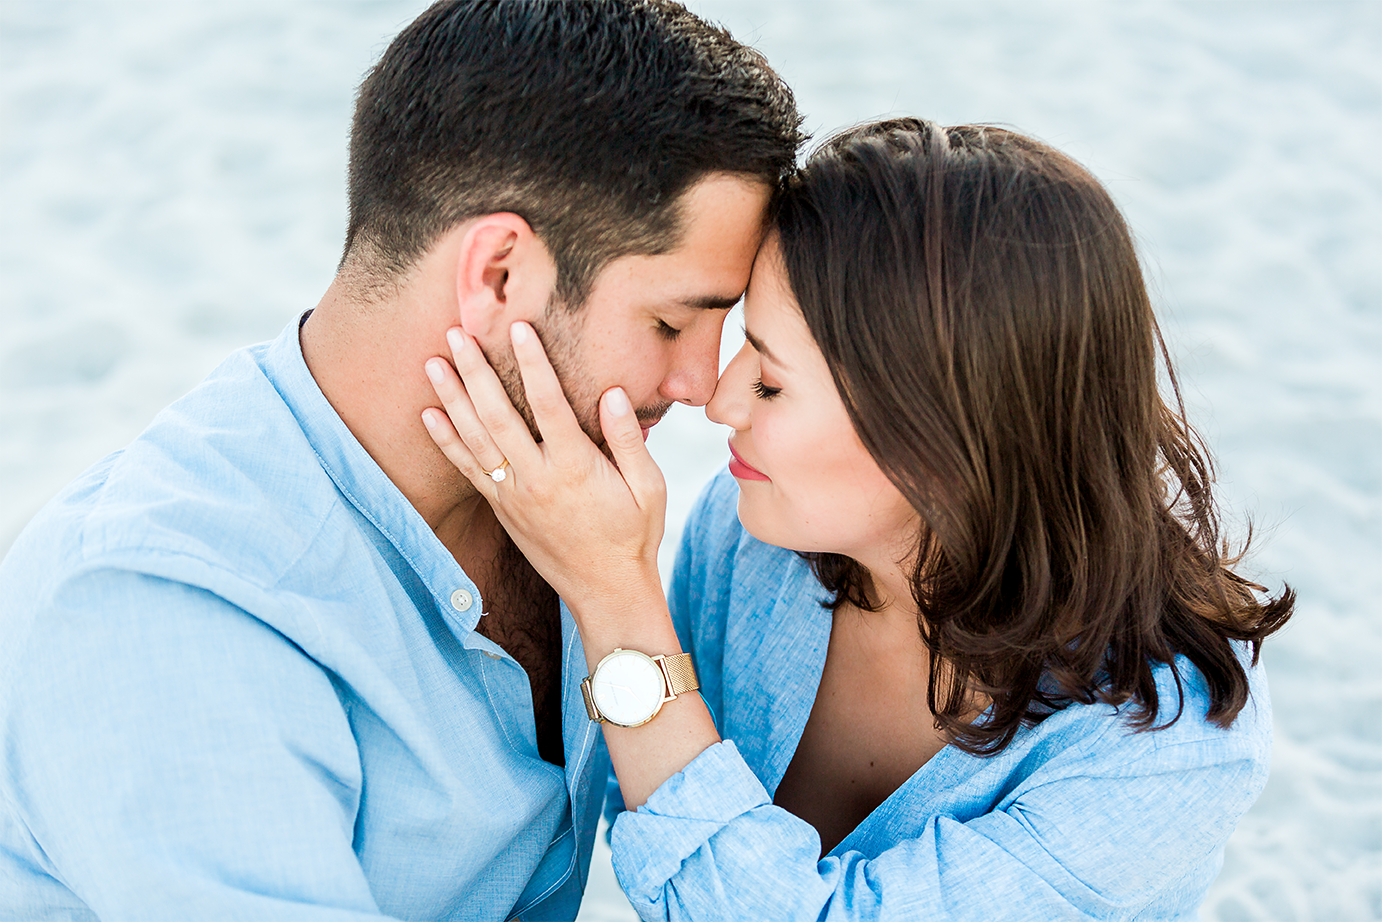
{"x":1080,"y":818}
{"x":234,"y":685}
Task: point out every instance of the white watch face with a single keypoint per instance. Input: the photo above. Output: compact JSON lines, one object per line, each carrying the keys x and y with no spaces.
{"x":627,"y":687}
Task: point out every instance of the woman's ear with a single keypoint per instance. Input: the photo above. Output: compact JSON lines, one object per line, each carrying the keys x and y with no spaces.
{"x":503,"y":274}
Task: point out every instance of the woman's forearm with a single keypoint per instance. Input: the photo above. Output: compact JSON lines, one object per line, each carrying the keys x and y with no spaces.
{"x":591,"y":528}
{"x":644,"y":757}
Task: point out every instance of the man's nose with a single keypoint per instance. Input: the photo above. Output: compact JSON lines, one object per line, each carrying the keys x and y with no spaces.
{"x":691,"y":379}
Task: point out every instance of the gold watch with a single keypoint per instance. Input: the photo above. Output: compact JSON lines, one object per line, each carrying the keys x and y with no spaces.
{"x":628,"y":688}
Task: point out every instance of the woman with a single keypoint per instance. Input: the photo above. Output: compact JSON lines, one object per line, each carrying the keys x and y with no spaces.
{"x":972,"y":642}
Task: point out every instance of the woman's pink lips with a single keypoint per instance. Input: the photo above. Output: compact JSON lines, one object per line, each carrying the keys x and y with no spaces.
{"x":743,"y":470}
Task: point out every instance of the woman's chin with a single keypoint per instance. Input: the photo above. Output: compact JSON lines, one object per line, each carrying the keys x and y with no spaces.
{"x":770,"y":532}
{"x":752,"y":523}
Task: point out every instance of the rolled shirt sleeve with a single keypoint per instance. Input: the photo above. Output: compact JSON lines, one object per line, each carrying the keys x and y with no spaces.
{"x":1080,"y":817}
{"x":1090,"y":844}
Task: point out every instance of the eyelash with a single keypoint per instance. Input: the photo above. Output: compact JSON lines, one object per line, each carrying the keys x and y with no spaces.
{"x":763,"y":391}
{"x":666,"y":331}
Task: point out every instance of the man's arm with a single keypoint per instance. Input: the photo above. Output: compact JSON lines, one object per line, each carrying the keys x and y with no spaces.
{"x":174,"y":757}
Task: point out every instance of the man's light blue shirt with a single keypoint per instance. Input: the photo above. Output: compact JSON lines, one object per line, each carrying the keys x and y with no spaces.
{"x":240,"y":679}
{"x":1079,"y":818}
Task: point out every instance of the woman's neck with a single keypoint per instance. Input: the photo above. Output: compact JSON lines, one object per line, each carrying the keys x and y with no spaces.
{"x":891,"y":589}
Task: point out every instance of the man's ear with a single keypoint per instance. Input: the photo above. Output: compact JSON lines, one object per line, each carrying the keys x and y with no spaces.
{"x":503,"y":274}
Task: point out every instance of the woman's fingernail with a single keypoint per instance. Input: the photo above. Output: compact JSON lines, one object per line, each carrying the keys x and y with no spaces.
{"x":434,"y":370}
{"x":455,"y":339}
{"x":519,"y":333}
{"x":428,"y":419}
{"x":617,"y":401}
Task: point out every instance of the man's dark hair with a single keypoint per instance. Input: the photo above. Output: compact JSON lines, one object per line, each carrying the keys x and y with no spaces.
{"x":588,"y":118}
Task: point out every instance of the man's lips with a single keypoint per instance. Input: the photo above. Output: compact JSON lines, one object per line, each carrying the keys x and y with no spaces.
{"x":647,"y":425}
{"x":742,"y":469}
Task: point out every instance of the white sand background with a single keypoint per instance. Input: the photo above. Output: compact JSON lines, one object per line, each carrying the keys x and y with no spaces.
{"x":171,"y":188}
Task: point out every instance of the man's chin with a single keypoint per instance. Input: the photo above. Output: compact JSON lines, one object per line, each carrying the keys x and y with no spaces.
{"x":646,"y":421}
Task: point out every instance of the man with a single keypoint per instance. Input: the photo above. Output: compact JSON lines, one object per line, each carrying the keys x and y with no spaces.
{"x":277,"y":659}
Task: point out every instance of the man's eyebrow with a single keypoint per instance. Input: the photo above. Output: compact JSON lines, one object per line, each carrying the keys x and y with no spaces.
{"x":710,"y":302}
{"x":761,"y":347}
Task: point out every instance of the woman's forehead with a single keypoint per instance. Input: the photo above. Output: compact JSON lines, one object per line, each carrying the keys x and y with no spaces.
{"x":773,"y":322}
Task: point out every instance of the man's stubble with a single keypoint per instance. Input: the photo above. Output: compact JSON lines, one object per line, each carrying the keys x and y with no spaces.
{"x":561,"y":332}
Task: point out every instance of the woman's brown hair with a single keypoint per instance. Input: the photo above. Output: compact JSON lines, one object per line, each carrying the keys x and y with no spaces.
{"x":979,"y":300}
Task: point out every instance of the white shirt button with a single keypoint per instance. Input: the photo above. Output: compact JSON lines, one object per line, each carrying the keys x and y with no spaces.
{"x":462,"y":600}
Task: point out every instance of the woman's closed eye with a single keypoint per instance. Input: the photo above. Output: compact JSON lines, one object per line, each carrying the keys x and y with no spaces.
{"x":763,"y":391}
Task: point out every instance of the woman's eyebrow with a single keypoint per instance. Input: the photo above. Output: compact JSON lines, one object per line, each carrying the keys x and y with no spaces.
{"x":761,"y":347}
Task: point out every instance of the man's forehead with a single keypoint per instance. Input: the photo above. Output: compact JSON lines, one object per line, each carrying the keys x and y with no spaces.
{"x":722,"y":223}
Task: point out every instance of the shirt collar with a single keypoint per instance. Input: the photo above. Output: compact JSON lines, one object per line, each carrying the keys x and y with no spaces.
{"x":365,"y":486}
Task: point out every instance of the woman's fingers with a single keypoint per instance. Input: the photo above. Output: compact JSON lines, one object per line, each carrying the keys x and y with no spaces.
{"x":624,"y":436}
{"x":589,"y":526}
{"x":552,"y":412}
{"x":458,"y":432}
{"x":490,"y":403}
{"x":443,"y":433}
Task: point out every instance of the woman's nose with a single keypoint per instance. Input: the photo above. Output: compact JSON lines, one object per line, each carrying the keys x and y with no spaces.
{"x":729,"y":405}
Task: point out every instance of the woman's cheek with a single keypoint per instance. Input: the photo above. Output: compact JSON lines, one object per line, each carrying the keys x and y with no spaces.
{"x":797,"y":492}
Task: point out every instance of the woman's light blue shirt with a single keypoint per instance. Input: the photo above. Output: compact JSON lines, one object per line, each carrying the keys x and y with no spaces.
{"x":1079,"y":818}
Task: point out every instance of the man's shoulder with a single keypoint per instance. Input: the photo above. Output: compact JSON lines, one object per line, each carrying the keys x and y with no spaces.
{"x":224,"y":475}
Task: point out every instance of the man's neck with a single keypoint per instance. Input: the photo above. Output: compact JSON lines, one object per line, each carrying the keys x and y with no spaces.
{"x":368,"y":361}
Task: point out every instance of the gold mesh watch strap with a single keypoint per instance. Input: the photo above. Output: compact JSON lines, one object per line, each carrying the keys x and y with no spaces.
{"x":680,"y":673}
{"x":590,"y":707}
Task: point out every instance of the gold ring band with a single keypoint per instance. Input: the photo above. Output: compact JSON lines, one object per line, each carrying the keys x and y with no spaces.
{"x":499,"y":474}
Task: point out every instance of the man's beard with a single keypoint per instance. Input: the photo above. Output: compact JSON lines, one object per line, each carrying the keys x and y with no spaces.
{"x":560,"y":331}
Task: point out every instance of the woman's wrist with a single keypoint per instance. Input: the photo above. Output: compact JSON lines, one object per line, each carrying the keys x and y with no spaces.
{"x":626,"y":620}
{"x":616,"y":597}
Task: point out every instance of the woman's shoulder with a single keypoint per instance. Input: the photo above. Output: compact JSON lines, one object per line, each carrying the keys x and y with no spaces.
{"x":1183,"y":712}
{"x":714,"y":545}
{"x":1113,"y":740}
{"x":720,"y":566}
{"x":715,"y":514}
